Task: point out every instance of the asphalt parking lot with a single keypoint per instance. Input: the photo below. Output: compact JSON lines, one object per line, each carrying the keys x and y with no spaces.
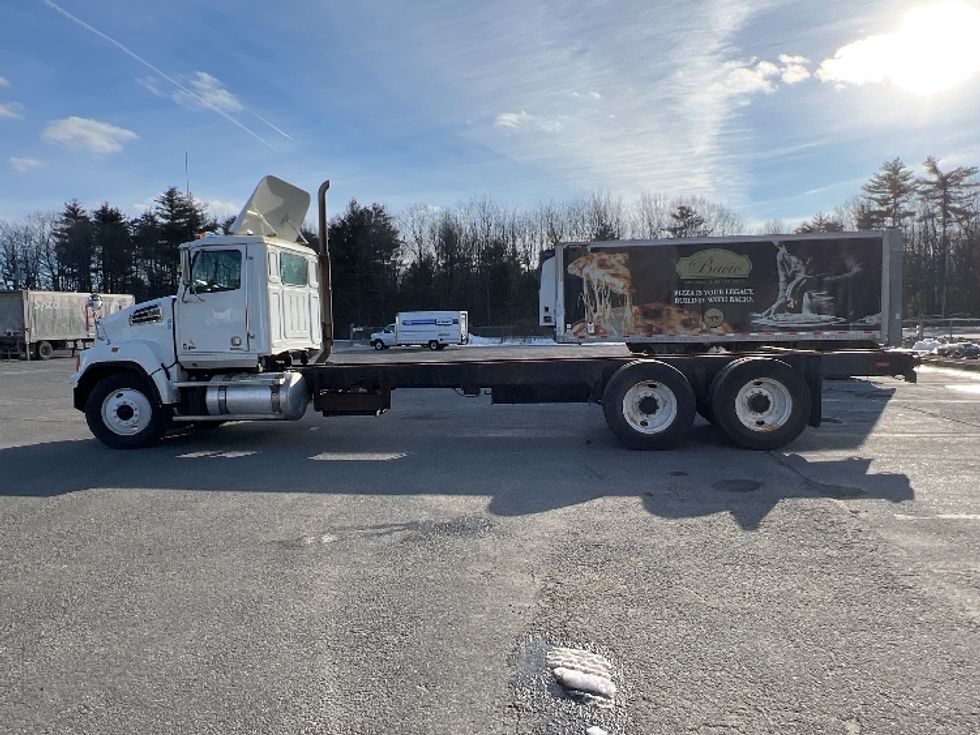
{"x":410,"y":573}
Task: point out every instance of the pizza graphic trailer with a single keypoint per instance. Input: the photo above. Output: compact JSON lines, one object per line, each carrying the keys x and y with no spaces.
{"x":720,"y":289}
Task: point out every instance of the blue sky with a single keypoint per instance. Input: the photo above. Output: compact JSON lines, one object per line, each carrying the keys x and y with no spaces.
{"x":778,"y":109}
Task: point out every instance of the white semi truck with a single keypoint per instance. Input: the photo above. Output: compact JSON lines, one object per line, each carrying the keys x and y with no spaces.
{"x":248,"y":336}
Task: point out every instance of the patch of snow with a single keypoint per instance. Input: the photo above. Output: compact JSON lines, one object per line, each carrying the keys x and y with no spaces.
{"x":596,"y":730}
{"x":583,"y":674}
{"x":583,"y":682}
{"x":478,"y":341}
{"x":926,"y":345}
{"x":358,"y":456}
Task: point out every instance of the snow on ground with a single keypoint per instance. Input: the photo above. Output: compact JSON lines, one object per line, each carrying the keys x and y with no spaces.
{"x":478,"y":341}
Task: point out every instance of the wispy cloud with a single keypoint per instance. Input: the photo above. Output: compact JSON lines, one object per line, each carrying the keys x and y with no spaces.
{"x":221,"y":208}
{"x":669,"y":89}
{"x":180,"y":87}
{"x":208,"y":92}
{"x":933,"y":50}
{"x":11,"y":110}
{"x":88,"y":135}
{"x":211,"y":93}
{"x":794,"y":69}
{"x":23,"y":164}
{"x":524,"y":120}
{"x":4,"y":82}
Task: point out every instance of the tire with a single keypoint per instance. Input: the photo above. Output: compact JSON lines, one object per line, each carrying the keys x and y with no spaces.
{"x":123,"y":412}
{"x":433,"y":345}
{"x":43,"y":350}
{"x":378,"y":345}
{"x":760,"y":403}
{"x":648,"y":405}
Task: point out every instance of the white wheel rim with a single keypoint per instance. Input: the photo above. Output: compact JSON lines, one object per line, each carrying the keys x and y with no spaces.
{"x":126,"y":412}
{"x":650,"y":407}
{"x":763,"y":405}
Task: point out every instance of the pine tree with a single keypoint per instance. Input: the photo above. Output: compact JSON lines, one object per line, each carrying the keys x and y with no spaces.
{"x":820,"y":222}
{"x":889,"y":194}
{"x":181,"y":219}
{"x":949,"y":195}
{"x":73,"y":249}
{"x":686,"y":222}
{"x":113,"y":247}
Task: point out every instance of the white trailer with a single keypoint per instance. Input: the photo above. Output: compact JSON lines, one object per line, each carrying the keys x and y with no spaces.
{"x":35,"y":323}
{"x":432,"y":329}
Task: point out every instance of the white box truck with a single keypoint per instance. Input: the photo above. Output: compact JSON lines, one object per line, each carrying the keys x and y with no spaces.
{"x":432,"y":329}
{"x":241,"y":340}
{"x":35,"y":323}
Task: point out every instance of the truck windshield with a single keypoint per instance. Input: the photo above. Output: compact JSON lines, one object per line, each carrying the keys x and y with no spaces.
{"x":216,"y":270}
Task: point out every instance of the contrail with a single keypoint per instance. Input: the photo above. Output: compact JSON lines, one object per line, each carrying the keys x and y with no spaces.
{"x":279,"y":130}
{"x":57,"y":8}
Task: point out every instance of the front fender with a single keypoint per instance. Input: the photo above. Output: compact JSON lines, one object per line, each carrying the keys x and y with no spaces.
{"x":104,"y":359}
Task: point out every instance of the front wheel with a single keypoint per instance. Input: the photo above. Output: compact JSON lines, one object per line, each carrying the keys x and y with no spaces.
{"x":379,"y":345}
{"x":760,"y":403}
{"x":123,"y":412}
{"x":648,"y":404}
{"x":43,"y":350}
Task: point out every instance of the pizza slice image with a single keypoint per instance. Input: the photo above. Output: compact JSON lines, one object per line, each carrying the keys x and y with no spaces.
{"x":607,"y":282}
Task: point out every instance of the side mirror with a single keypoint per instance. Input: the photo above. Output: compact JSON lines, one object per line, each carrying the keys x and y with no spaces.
{"x":95,"y":303}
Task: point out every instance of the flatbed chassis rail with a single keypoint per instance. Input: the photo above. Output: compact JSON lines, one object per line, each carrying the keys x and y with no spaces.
{"x":365,"y":389}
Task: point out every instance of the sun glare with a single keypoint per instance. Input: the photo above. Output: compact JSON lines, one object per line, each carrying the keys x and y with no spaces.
{"x":935,"y":48}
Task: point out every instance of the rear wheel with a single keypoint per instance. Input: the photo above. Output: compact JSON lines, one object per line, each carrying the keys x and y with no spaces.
{"x":433,"y":345}
{"x":760,"y":403}
{"x":648,"y":405}
{"x":43,"y":350}
{"x":123,"y":412}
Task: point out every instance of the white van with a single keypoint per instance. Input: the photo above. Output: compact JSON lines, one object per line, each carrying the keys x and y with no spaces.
{"x":432,"y":329}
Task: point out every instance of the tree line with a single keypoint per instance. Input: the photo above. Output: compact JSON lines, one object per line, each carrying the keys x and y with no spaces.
{"x":482,"y":256}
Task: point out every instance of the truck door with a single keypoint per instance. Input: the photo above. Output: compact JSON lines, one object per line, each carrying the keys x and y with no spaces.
{"x":213,"y":306}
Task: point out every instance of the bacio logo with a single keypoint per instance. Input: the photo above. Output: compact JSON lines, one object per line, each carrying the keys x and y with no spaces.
{"x":714,"y":263}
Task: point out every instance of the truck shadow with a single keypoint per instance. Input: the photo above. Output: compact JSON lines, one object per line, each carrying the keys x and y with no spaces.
{"x":524,"y":460}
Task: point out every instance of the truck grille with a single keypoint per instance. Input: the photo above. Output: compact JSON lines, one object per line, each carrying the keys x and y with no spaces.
{"x":146,"y":315}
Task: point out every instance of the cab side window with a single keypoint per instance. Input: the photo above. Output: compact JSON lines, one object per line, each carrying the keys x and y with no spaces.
{"x":293,"y":269}
{"x":216,"y":270}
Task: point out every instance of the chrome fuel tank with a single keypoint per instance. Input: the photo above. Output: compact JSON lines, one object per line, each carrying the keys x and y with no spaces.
{"x":277,"y":395}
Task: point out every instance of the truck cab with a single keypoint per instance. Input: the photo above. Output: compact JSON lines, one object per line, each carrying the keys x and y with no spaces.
{"x":247,"y":308}
{"x":384,"y":339}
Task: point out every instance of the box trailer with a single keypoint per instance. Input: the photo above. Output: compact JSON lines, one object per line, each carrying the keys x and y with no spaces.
{"x":433,"y":329}
{"x":35,"y":323}
{"x":819,"y":290}
{"x":209,"y":354}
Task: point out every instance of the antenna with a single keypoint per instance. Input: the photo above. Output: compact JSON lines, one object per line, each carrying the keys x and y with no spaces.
{"x":187,"y":177}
